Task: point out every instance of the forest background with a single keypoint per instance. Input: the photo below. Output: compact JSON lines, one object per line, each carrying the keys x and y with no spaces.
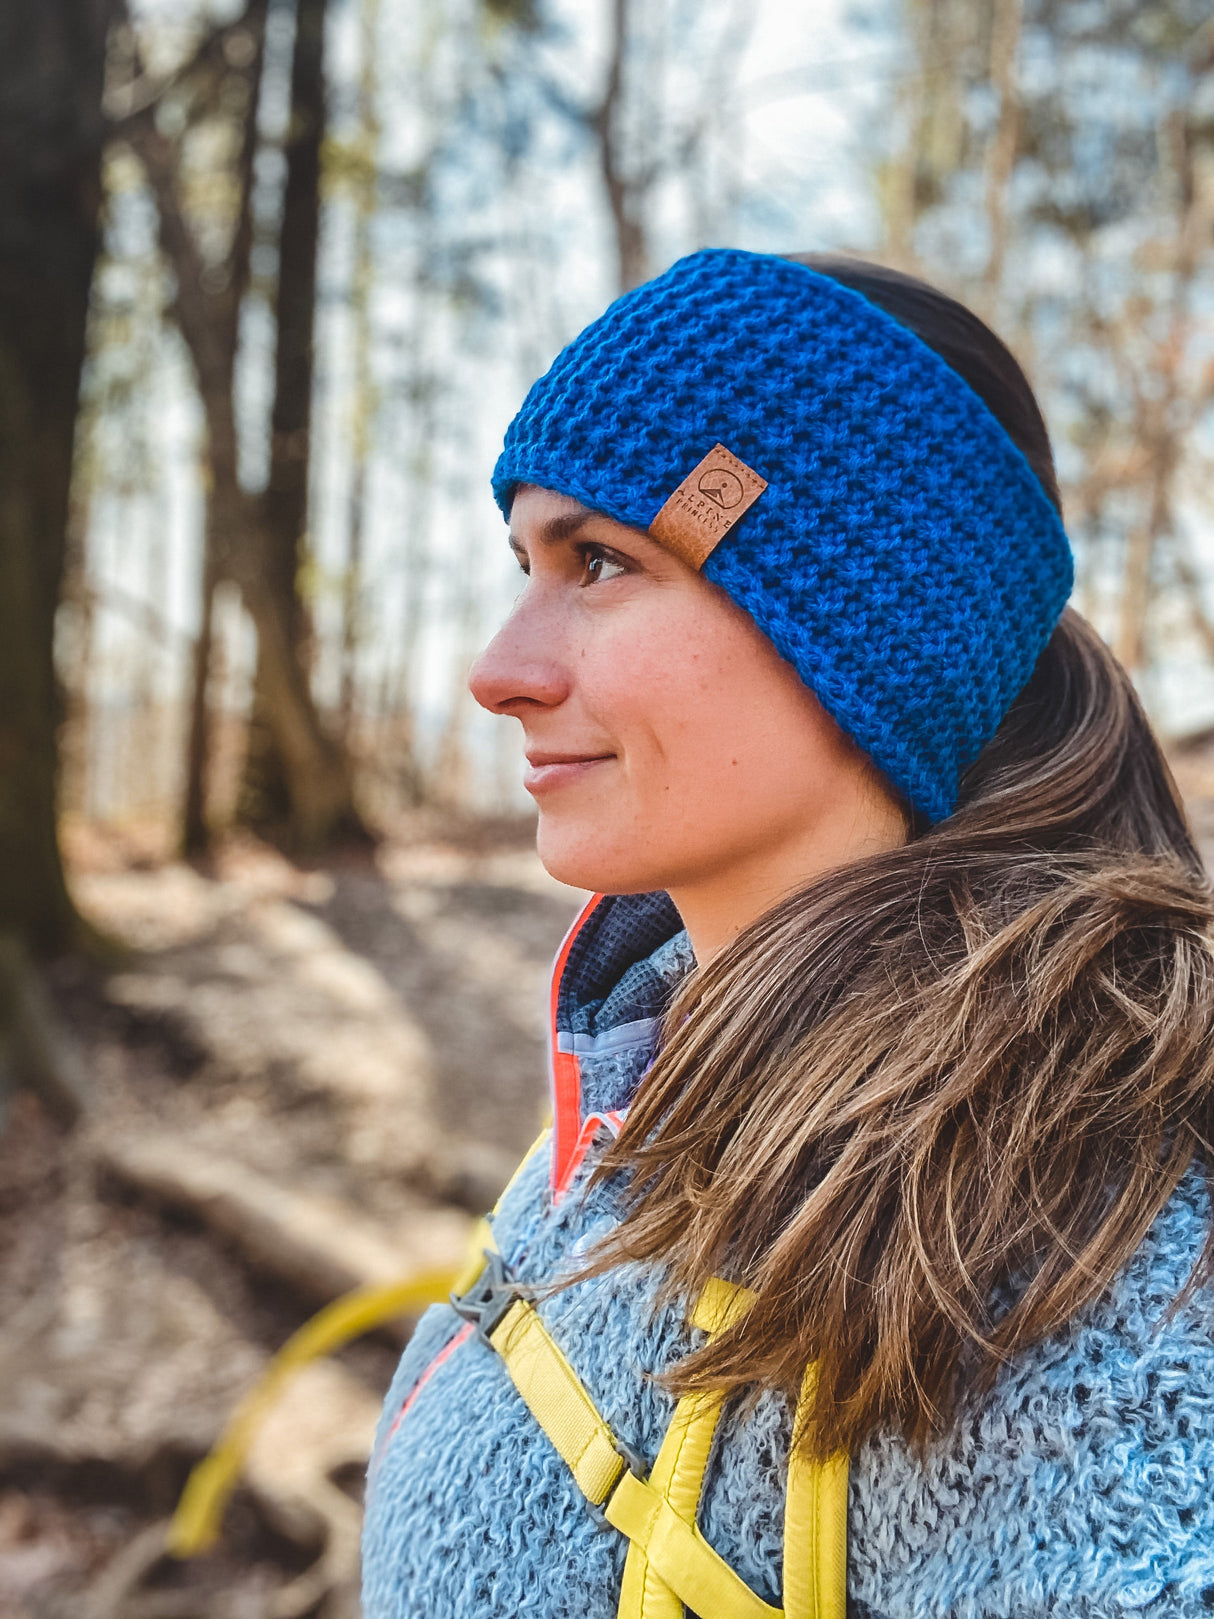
{"x":273,"y":278}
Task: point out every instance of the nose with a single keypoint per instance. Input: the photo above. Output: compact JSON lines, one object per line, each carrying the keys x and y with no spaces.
{"x":521,"y":669}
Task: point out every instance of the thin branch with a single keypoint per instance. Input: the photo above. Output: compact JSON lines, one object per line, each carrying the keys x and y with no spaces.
{"x":144,"y":93}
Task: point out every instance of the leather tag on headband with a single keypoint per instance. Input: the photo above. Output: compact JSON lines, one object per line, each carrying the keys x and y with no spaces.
{"x":706,"y":505}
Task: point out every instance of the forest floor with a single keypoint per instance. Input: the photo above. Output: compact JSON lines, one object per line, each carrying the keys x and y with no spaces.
{"x":299,"y":1081}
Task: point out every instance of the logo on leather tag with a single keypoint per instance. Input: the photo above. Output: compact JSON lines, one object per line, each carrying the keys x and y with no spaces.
{"x":706,"y":505}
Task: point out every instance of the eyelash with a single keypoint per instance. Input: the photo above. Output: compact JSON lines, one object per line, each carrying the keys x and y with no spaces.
{"x":600,"y":553}
{"x":587,"y":553}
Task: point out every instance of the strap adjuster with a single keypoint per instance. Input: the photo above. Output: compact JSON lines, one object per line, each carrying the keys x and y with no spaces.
{"x":486,"y":1302}
{"x":635,"y":1464}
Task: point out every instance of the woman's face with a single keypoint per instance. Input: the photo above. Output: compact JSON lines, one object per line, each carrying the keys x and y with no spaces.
{"x":668,"y":743}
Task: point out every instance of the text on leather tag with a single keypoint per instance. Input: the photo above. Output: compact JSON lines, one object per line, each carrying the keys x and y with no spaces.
{"x":706,"y":505}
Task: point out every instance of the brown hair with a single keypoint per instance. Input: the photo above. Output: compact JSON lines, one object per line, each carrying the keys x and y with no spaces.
{"x":927,"y":1106}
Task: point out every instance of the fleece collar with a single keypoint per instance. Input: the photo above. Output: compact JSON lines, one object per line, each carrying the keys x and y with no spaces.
{"x":611,"y":984}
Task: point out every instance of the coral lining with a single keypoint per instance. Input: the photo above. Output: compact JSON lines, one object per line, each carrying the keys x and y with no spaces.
{"x":448,"y":1349}
{"x":566,"y":1074}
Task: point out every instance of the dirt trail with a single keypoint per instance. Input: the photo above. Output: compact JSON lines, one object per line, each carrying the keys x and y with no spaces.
{"x":300,"y":1081}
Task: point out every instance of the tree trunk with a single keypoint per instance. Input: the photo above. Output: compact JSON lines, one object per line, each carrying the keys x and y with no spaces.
{"x":362,"y":403}
{"x":1164,"y":426}
{"x":315,"y":802}
{"x":295,"y":784}
{"x":195,"y":831}
{"x":1006,"y":24}
{"x":52,"y":67}
{"x":625,"y":198}
{"x":916,"y":177}
{"x":314,"y":770}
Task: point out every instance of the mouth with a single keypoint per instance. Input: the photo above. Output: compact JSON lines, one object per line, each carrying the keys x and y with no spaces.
{"x":546,"y":771}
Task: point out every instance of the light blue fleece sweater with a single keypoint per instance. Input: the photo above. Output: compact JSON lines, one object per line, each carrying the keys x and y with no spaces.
{"x":1083,"y":1485}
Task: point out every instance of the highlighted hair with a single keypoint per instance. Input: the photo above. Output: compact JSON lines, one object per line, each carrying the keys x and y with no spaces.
{"x":928,"y":1106}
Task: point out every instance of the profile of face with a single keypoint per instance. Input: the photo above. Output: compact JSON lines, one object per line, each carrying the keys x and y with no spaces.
{"x":668,"y":743}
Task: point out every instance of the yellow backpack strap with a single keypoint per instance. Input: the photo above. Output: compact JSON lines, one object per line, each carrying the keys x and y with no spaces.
{"x":669,"y":1561}
{"x":557,"y":1399}
{"x":540,"y":1141}
{"x":679,"y":1469}
{"x":680,"y":1557}
{"x":195,"y":1524}
{"x":815,"y":1524}
{"x":815,"y":1514}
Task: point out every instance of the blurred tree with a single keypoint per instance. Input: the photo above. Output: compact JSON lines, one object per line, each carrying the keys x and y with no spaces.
{"x":362,"y":161}
{"x":1007,"y":22}
{"x":1056,"y":169}
{"x":52,"y":71}
{"x":929,"y":144}
{"x":624,"y":184}
{"x":650,"y":125}
{"x":1123,"y":184}
{"x":667,"y":82}
{"x":298,"y":784}
{"x":52,"y":68}
{"x":206,"y":304}
{"x":298,"y":793}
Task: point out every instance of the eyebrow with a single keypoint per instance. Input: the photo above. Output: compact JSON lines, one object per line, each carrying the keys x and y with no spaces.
{"x":555,"y":529}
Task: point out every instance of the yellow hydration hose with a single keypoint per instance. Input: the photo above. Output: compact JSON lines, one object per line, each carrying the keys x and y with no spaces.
{"x":194,"y":1527}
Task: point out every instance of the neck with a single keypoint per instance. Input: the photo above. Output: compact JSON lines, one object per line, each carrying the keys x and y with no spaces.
{"x":716,"y":906}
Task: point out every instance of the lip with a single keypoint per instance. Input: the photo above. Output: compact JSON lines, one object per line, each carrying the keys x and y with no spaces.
{"x":546,"y":771}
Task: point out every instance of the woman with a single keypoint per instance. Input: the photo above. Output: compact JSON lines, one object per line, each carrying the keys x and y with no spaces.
{"x":887,"y":1052}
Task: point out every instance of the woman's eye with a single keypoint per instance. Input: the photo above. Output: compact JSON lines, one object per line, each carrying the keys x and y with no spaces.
{"x":599,"y":565}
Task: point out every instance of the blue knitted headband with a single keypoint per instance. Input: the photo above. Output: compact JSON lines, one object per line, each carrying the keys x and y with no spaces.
{"x":869,"y":512}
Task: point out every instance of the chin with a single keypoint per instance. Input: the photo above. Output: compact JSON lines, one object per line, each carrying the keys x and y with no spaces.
{"x":582,"y":861}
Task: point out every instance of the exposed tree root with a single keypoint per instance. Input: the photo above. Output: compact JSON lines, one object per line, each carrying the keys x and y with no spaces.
{"x":318,"y":1246}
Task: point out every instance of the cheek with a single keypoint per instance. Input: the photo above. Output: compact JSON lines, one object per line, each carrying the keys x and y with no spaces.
{"x":714,"y":708}
{"x":718,"y":740}
{"x":627,"y":679}
{"x":664,"y":697}
{"x":743,"y":753}
{"x":721,"y":751}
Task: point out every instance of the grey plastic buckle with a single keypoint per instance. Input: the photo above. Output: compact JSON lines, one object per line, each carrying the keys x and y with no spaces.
{"x":490,"y":1296}
{"x":635,"y":1464}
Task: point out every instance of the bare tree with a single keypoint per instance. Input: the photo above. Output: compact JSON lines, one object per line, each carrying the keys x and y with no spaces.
{"x":1137,"y":322}
{"x":266,"y":797}
{"x":254,"y":540}
{"x":625,"y":189}
{"x":931,"y":127}
{"x":1166,"y":407}
{"x":52,"y":71}
{"x":206,"y":306}
{"x":643,"y":133}
{"x":362,"y":390}
{"x":1007,"y":20}
{"x":52,"y":67}
{"x":1120,"y":187}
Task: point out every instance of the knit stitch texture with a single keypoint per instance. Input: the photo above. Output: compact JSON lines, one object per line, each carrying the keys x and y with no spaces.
{"x":1080,"y":1486}
{"x":904,"y":557}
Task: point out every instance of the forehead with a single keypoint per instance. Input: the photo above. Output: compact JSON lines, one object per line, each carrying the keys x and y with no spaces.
{"x":543,"y":514}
